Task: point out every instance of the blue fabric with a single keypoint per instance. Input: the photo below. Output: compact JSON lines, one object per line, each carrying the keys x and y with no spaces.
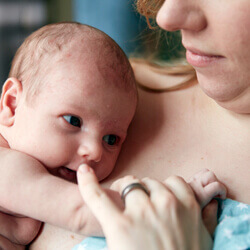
{"x":92,"y":243}
{"x":232,"y":232}
{"x":233,"y":229}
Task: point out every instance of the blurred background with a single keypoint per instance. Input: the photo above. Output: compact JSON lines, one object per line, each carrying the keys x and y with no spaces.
{"x":117,"y":18}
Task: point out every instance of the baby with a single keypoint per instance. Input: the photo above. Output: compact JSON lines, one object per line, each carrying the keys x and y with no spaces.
{"x":69,"y":100}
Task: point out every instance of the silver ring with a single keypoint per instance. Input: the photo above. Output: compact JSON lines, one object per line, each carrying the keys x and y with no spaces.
{"x":132,"y":187}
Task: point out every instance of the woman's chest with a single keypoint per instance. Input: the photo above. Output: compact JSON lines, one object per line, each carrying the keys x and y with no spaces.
{"x":164,"y":156}
{"x":165,"y":140}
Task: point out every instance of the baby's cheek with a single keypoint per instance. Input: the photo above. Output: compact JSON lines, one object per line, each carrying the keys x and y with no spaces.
{"x":105,"y":167}
{"x":58,"y":156}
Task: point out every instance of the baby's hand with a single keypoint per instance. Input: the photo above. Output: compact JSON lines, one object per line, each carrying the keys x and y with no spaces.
{"x":17,"y":230}
{"x":206,"y":187}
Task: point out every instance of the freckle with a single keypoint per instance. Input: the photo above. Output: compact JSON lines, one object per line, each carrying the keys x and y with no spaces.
{"x":202,"y":158}
{"x":72,"y":236}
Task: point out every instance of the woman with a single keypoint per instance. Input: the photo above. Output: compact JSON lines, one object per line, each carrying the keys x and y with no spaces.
{"x":205,"y":125}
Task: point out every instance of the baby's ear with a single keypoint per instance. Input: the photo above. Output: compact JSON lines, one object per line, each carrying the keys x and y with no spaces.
{"x":11,"y":93}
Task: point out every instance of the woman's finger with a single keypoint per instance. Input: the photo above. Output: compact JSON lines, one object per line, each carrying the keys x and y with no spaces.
{"x":136,"y":197}
{"x":181,"y":190}
{"x":121,"y":183}
{"x":216,"y":189}
{"x":95,"y":197}
{"x":160,"y":196}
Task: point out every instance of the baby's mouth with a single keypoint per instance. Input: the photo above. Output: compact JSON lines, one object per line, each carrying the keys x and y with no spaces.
{"x":67,"y":174}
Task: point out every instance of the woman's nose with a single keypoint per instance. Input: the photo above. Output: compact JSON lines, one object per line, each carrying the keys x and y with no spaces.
{"x":91,"y":150}
{"x":181,"y":15}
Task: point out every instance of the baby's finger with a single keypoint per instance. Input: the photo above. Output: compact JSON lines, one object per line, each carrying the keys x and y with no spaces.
{"x":215,"y":189}
{"x":205,"y":177}
{"x":95,"y":197}
{"x":6,"y":244}
{"x":209,"y":216}
{"x":199,"y":174}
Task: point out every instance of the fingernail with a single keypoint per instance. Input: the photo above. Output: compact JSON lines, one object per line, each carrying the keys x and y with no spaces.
{"x":84,"y":168}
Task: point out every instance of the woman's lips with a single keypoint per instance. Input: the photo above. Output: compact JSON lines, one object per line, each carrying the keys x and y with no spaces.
{"x":199,"y":59}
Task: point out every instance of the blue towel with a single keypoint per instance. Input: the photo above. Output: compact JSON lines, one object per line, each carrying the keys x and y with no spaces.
{"x":92,"y":243}
{"x":233,"y":229}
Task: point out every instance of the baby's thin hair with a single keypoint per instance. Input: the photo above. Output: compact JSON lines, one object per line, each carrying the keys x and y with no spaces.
{"x":28,"y":60}
{"x":29,"y":63}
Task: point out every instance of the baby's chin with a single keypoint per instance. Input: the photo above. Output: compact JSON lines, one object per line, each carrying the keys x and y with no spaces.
{"x":66,"y":174}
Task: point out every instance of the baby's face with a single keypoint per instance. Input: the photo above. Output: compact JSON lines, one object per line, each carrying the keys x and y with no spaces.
{"x":78,"y":117}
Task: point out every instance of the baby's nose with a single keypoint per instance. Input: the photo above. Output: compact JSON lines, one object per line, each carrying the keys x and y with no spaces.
{"x":91,"y":150}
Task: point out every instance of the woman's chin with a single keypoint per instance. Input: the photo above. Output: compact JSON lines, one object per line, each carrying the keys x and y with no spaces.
{"x":230,"y":97}
{"x":237,"y":106}
{"x":237,"y":103}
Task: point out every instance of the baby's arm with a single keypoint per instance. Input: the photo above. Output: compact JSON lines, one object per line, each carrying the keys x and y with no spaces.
{"x":28,"y":189}
{"x":206,"y":186}
{"x":15,"y":232}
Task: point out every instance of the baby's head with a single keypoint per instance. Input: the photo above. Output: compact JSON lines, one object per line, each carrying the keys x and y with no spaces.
{"x":69,"y":99}
{"x":56,"y":43}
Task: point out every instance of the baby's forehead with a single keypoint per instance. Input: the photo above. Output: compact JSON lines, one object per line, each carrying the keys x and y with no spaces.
{"x":97,"y":55}
{"x":98,"y":47}
{"x":83,"y":49}
{"x":82,"y":73}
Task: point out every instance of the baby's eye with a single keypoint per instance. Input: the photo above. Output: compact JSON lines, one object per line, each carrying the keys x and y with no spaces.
{"x":110,"y":139}
{"x":73,"y":120}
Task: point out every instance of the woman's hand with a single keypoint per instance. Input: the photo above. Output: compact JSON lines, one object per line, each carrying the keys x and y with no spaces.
{"x":170,"y":218}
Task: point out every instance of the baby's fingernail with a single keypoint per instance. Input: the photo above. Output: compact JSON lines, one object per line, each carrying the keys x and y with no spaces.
{"x":84,"y":168}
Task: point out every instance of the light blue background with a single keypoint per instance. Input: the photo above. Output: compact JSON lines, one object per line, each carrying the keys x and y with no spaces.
{"x":117,"y":18}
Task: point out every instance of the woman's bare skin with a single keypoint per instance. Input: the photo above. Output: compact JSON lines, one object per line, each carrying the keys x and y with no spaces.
{"x":177,"y":133}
